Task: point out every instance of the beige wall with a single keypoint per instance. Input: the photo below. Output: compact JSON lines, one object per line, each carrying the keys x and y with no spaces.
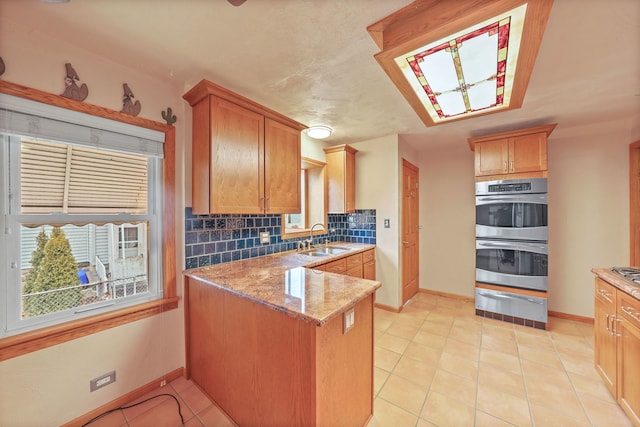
{"x":51,"y":386}
{"x":377,"y":188}
{"x":447,"y":216}
{"x":588,"y":210}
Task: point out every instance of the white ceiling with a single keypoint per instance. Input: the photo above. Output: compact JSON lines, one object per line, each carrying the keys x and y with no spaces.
{"x":313,"y":60}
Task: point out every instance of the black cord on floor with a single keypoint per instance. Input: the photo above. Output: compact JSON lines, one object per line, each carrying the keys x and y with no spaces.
{"x":136,"y":404}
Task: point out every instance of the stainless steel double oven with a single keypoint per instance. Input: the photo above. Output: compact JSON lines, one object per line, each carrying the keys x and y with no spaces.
{"x":511,"y":247}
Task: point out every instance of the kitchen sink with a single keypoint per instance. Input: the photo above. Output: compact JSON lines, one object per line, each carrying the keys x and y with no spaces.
{"x":325,"y":251}
{"x":314,"y":253}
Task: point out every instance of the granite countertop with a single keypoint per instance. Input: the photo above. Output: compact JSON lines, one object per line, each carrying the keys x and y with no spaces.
{"x":285,"y":282}
{"x":618,"y":281}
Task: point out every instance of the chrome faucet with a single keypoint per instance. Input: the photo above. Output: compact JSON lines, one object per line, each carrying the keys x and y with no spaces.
{"x":310,"y":240}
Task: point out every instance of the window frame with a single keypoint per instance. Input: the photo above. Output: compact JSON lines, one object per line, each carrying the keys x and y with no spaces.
{"x":307,"y":164}
{"x":23,"y":343}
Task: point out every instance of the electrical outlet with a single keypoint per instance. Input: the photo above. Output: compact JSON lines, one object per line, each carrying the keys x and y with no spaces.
{"x":102,"y":381}
{"x":265,"y":237}
{"x":387,"y":223}
{"x":349,"y":318}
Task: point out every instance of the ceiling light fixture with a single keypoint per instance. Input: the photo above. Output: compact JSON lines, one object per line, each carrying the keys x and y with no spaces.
{"x":319,"y":132}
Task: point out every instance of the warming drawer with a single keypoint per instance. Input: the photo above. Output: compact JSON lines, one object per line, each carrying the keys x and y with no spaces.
{"x":510,"y":304}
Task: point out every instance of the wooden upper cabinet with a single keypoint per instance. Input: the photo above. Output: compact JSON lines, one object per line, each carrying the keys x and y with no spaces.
{"x":492,"y":157}
{"x":245,"y":157}
{"x":511,"y":153}
{"x":282,"y":168}
{"x":341,"y":178}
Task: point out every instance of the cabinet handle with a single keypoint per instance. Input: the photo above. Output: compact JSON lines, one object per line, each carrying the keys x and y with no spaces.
{"x":605,"y":294}
{"x":615,"y":328}
{"x":631,"y":312}
{"x":512,"y":165}
{"x":607,"y":316}
{"x":506,"y":168}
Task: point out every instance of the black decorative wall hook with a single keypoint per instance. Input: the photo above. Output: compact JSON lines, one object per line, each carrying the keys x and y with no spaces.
{"x":169,"y":117}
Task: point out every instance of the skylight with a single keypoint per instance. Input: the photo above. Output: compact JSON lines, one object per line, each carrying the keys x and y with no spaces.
{"x":468,"y":72}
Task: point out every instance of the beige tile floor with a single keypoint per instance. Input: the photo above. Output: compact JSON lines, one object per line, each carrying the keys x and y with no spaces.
{"x":438,"y":364}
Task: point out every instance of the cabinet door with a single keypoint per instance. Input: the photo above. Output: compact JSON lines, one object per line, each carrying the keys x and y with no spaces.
{"x":628,"y":331}
{"x":236,"y":171}
{"x":338,"y":266}
{"x":350,"y":184}
{"x":528,"y":153}
{"x":369,"y":270}
{"x":341,"y":178}
{"x":282,"y":168}
{"x":355,"y":271}
{"x":492,"y":157}
{"x":605,"y":339}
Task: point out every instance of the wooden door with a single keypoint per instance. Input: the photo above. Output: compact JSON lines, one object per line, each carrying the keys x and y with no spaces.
{"x":634,"y":201}
{"x":528,"y":153}
{"x":492,"y":157}
{"x":237,"y":162}
{"x":282,"y":168}
{"x":410,"y":229}
{"x":605,"y":340}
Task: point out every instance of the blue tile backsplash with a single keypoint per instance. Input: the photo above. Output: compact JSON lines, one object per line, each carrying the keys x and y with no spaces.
{"x":217,"y":238}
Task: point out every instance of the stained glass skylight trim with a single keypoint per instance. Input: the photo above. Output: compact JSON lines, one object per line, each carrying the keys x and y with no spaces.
{"x":469,"y":72}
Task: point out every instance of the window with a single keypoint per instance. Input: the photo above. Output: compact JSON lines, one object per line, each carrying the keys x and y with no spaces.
{"x":298,"y":222}
{"x":313,"y":206}
{"x":82,"y":203}
{"x":128,"y":241}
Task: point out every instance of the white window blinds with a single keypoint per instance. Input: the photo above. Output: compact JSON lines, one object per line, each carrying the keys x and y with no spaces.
{"x":19,"y":116}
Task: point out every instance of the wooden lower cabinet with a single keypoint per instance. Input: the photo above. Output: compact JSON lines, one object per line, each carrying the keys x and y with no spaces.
{"x":267,"y":368}
{"x":338,"y":266}
{"x":361,"y":265}
{"x":605,"y":348}
{"x":628,"y":331}
{"x":617,"y":346}
{"x":369,"y":264}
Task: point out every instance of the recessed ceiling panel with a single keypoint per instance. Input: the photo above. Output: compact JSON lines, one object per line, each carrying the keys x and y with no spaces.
{"x":453,"y":60}
{"x":469,"y":72}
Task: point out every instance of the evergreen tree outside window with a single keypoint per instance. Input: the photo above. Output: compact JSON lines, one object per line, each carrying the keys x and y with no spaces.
{"x":55,"y":270}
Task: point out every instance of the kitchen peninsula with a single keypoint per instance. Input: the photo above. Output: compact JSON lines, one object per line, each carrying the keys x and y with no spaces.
{"x":274,"y":341}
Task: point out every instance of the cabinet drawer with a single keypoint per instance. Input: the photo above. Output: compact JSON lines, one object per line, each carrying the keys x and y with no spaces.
{"x":354,"y":261}
{"x":605,"y":291}
{"x":368,"y":256}
{"x":629,"y":308}
{"x":339,"y":266}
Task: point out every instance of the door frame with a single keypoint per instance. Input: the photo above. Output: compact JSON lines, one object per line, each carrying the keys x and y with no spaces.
{"x":634,"y":203}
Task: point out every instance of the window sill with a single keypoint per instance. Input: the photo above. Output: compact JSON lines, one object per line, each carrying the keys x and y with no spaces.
{"x":28,"y":342}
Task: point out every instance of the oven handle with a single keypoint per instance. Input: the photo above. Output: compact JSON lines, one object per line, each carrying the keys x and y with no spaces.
{"x":512,"y":296}
{"x":513,"y":245}
{"x":540,"y":199}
